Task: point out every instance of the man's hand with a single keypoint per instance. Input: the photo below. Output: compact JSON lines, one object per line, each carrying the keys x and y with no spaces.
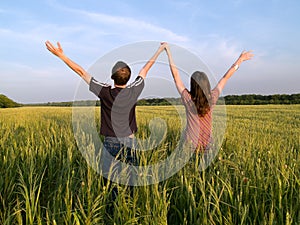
{"x":58,"y":51}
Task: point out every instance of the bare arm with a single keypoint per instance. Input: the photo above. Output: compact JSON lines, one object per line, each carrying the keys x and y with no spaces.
{"x":144,"y":71}
{"x":175,"y":73}
{"x":58,"y":51}
{"x":243,"y":57}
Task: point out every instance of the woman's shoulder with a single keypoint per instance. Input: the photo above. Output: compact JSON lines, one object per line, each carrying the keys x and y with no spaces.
{"x":185,"y":94}
{"x":186,"y":98}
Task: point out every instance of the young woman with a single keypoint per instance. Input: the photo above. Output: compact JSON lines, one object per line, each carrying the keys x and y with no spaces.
{"x":200,"y":100}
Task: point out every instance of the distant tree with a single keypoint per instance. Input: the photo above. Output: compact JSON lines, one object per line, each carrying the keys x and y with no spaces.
{"x":5,"y":102}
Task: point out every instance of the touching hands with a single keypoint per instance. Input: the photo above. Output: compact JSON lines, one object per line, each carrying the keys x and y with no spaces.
{"x":163,"y":46}
{"x":58,"y":51}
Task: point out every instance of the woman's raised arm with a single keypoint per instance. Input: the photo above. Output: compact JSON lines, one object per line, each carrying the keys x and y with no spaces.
{"x":175,"y":73}
{"x":245,"y":55}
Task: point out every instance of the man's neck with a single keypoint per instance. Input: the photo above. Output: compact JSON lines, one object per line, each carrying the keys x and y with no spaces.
{"x":120,"y":86}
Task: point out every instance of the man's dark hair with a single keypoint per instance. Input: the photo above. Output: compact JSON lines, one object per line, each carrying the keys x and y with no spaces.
{"x":121,"y":73}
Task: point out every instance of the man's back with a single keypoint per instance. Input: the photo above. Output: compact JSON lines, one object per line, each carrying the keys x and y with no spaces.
{"x":118,"y":107}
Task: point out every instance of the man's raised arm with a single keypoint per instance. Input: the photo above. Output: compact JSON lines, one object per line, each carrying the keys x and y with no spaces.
{"x":58,"y":51}
{"x":144,"y":71}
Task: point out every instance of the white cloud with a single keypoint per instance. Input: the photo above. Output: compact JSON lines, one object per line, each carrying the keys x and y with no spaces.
{"x":91,"y":32}
{"x":126,"y":26}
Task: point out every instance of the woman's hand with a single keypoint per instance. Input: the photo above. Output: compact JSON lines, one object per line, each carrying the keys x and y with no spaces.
{"x":245,"y":55}
{"x":58,"y":51}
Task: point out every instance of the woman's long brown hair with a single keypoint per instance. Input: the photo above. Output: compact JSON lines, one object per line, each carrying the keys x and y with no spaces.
{"x":201,"y":92}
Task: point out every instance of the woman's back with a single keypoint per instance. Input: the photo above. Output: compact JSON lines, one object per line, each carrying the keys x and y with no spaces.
{"x":199,"y":127}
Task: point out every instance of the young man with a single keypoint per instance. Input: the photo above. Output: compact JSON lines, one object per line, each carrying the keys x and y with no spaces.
{"x":118,"y":119}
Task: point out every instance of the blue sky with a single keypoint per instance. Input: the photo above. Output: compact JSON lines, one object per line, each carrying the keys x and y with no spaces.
{"x":215,"y":31}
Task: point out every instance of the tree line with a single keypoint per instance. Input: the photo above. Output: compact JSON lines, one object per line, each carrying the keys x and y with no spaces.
{"x":262,"y":99}
{"x":251,"y":99}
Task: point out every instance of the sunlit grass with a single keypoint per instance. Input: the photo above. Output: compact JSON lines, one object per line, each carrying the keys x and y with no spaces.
{"x":255,"y":178}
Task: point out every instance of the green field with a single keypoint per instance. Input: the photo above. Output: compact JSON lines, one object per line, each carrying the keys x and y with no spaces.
{"x":255,"y":178}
